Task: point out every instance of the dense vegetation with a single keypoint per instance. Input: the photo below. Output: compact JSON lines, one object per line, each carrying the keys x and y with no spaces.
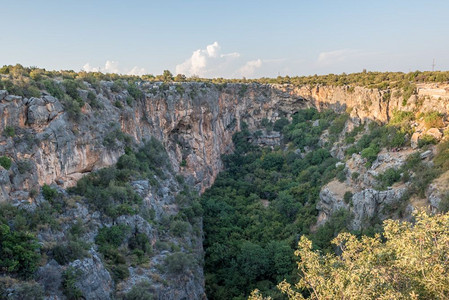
{"x":108,"y":191}
{"x":263,"y":201}
{"x":409,"y":261}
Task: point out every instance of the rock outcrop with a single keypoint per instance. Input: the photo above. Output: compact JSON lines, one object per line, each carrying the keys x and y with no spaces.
{"x":195,"y":122}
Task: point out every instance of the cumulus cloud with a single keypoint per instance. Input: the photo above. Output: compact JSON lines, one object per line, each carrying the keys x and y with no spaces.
{"x":113,"y":67}
{"x":208,"y":62}
{"x":249,"y":68}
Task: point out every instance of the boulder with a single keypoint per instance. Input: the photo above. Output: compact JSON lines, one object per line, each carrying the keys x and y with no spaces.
{"x":435,"y":133}
{"x":414,"y":140}
{"x":3,"y":94}
{"x":37,"y":115}
{"x":95,"y":281}
{"x":10,"y":98}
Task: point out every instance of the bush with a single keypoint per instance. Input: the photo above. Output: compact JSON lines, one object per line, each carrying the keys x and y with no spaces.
{"x":9,"y":131}
{"x":179,"y":228}
{"x":179,"y":262}
{"x":426,"y":140}
{"x":48,"y":192}
{"x":5,"y":162}
{"x":433,"y":119}
{"x":54,"y":89}
{"x":143,"y":290}
{"x":68,"y":252}
{"x":441,"y":159}
{"x":140,"y":241}
{"x":388,"y":178}
{"x":280,"y":124}
{"x":370,"y":154}
{"x":135,"y":92}
{"x":118,"y":104}
{"x":114,"y":235}
{"x":347,"y":198}
{"x":72,"y":108}
{"x":119,"y":272}
{"x":339,"y":124}
{"x":69,"y":279}
{"x":18,"y":251}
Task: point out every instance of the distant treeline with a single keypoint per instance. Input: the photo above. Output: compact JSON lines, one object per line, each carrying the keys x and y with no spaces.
{"x":381,"y":80}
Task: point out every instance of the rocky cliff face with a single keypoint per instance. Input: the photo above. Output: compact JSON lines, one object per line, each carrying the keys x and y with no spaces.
{"x":195,"y":122}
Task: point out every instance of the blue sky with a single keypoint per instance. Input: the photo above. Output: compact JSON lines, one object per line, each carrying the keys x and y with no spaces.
{"x":226,"y":38}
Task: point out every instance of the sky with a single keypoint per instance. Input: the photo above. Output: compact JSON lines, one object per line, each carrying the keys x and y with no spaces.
{"x":230,"y":39}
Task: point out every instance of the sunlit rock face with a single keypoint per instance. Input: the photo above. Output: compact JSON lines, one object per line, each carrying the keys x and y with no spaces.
{"x":195,"y":122}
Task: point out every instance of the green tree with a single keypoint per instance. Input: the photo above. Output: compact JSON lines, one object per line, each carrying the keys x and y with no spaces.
{"x":19,"y":251}
{"x":410,"y":264}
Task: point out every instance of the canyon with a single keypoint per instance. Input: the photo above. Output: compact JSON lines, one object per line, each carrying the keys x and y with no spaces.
{"x":195,"y":122}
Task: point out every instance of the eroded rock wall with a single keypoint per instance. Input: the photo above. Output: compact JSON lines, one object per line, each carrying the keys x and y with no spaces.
{"x":195,"y":122}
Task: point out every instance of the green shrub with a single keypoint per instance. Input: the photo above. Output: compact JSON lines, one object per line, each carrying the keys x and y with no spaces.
{"x":341,"y":173}
{"x":54,"y":88}
{"x":179,"y":228}
{"x":401,"y":117}
{"x":129,"y":100}
{"x":280,"y":124}
{"x":407,"y":92}
{"x":347,"y":198}
{"x":5,"y":162}
{"x":114,"y":136}
{"x":426,"y":140}
{"x":69,"y":279}
{"x":443,"y":206}
{"x":48,"y":192}
{"x":118,"y":104}
{"x":71,"y":88}
{"x":119,"y":272}
{"x":117,"y":86}
{"x":9,"y":131}
{"x":370,"y":154}
{"x":355,"y":175}
{"x":18,"y":251}
{"x":338,"y":124}
{"x":143,"y":290}
{"x":179,"y":262}
{"x":114,"y":235}
{"x":441,"y":159}
{"x":70,"y":251}
{"x":135,"y":92}
{"x":140,"y":241}
{"x":433,"y":119}
{"x":72,"y":108}
{"x":388,"y":178}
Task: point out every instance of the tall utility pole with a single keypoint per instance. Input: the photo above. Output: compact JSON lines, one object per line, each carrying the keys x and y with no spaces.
{"x":433,"y":65}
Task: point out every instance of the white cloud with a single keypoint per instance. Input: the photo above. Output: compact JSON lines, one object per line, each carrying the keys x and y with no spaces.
{"x":113,"y":67}
{"x":88,"y":68}
{"x":208,"y":62}
{"x":249,"y":68}
{"x":336,"y":56}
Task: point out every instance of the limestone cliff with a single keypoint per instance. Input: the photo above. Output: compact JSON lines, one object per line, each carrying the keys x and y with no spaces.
{"x":195,"y":122}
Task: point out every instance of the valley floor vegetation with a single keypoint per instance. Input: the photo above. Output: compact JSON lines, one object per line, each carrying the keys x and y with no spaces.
{"x":408,"y":261}
{"x":264,"y":203}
